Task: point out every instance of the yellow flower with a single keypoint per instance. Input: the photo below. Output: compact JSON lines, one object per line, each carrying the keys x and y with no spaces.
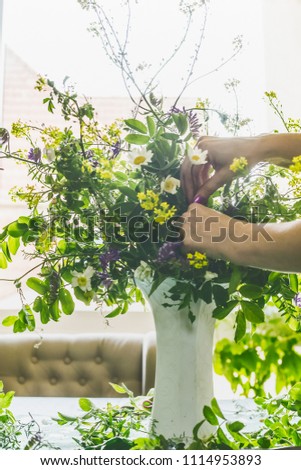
{"x":197,"y":260}
{"x":148,"y":200}
{"x":239,"y":164}
{"x":296,"y":166}
{"x":19,"y":129}
{"x":295,"y":184}
{"x":164,"y":212}
{"x":106,"y":174}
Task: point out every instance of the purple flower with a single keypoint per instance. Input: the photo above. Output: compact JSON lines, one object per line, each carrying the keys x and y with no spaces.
{"x":35,"y":155}
{"x":116,"y":148}
{"x":297,"y":299}
{"x":106,"y":258}
{"x":193,"y":119}
{"x":91,"y":159}
{"x":168,"y":251}
{"x":104,"y":279}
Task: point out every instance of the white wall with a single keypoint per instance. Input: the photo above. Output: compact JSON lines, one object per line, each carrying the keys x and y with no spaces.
{"x":282,"y":41}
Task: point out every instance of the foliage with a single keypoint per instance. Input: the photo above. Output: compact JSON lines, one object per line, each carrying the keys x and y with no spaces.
{"x":16,"y":435}
{"x":111,"y":206}
{"x":105,"y":206}
{"x":109,"y":428}
{"x":271,"y":351}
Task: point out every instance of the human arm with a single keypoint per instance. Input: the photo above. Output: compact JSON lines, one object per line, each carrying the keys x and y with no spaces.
{"x":278,"y":149}
{"x":273,"y":246}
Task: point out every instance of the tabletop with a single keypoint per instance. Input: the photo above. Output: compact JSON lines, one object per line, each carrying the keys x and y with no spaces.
{"x":44,"y":409}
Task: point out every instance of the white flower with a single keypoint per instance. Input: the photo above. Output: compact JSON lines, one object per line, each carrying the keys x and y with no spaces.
{"x":143,"y":272}
{"x":83,"y":280}
{"x":140,"y":156}
{"x":209,"y":276}
{"x":197,"y":156}
{"x":49,"y":153}
{"x":170,"y":185}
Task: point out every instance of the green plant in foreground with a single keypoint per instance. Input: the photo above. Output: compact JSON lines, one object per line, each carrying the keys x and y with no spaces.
{"x":14,"y":434}
{"x":119,"y":427}
{"x":272,"y":351}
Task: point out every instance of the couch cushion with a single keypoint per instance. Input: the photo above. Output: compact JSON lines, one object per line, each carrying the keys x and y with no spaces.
{"x":68,"y":365}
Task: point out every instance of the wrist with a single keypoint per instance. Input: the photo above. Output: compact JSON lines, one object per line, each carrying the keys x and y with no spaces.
{"x":238,"y":247}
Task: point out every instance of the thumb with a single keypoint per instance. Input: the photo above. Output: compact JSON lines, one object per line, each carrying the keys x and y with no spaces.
{"x":217,"y":180}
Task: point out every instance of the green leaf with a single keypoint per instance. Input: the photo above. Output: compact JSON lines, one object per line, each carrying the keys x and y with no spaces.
{"x":220,"y":294}
{"x":236,"y":426}
{"x":130,"y":193}
{"x":253,"y":313}
{"x":136,"y":125}
{"x":5,"y":401}
{"x":206,"y":292}
{"x":170,"y":136}
{"x":216,"y":409}
{"x":10,"y":321}
{"x":37,"y":285}
{"x":295,"y":392}
{"x":222,"y":311}
{"x":210,"y":416}
{"x":294,"y":282}
{"x":264,"y":443}
{"x":235,"y":279}
{"x":44,"y":313}
{"x":16,"y":229}
{"x":37,"y":304}
{"x":118,"y":388}
{"x":118,"y":443}
{"x":3,"y":261}
{"x":181,"y":122}
{"x":85,"y":297}
{"x":151,"y":125}
{"x":120,"y":176}
{"x":223,"y":438}
{"x":137,"y":139}
{"x":19,"y":326}
{"x":66,"y":301}
{"x":85,"y":404}
{"x":3,"y":234}
{"x":251,"y":291}
{"x":13,"y":244}
{"x":117,"y":311}
{"x":54,"y":310}
{"x":241,"y":326}
{"x":6,"y":252}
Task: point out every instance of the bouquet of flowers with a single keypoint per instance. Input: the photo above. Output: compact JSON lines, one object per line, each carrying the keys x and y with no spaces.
{"x":105,"y":207}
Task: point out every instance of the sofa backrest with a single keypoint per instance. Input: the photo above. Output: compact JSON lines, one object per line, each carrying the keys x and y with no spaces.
{"x":77,"y":366}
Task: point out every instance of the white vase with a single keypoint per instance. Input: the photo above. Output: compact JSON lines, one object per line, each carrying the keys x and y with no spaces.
{"x":184,"y":376}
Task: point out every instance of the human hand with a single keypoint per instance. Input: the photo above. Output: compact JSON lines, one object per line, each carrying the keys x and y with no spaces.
{"x":221,"y":151}
{"x":205,"y":230}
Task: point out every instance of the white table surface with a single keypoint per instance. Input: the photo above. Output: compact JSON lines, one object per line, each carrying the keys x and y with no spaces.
{"x":44,"y":409}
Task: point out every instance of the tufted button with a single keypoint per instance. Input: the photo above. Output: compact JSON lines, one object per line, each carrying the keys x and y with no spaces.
{"x":82,"y":381}
{"x":21,"y":379}
{"x":67,"y":360}
{"x":34,"y":359}
{"x":98,"y":360}
{"x":53,"y":380}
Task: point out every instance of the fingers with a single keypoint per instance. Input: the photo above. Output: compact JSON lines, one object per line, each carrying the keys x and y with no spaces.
{"x":199,"y":177}
{"x":186,"y":182}
{"x":219,"y":178}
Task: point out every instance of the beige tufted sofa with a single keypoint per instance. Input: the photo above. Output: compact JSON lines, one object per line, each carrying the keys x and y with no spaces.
{"x":77,"y":366}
